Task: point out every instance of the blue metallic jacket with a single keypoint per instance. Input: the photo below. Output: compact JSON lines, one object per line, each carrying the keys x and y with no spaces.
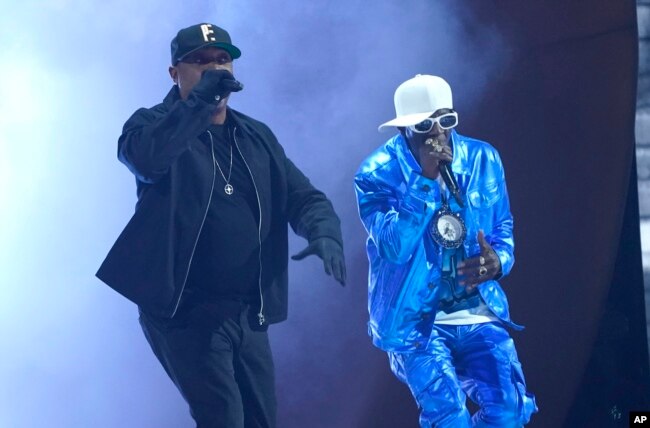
{"x":396,"y":205}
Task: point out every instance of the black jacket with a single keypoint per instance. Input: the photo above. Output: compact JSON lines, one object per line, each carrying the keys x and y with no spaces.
{"x":174,"y":172}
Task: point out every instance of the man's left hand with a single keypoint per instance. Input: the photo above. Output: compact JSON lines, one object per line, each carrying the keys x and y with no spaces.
{"x":330,"y":252}
{"x":472,"y":272}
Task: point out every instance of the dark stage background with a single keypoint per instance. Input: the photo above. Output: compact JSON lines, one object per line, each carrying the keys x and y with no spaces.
{"x":551,"y":84}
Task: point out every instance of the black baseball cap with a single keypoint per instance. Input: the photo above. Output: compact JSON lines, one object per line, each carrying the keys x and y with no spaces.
{"x":199,"y":36}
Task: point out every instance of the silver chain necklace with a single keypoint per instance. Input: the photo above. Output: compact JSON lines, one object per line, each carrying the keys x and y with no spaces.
{"x":228,"y":187}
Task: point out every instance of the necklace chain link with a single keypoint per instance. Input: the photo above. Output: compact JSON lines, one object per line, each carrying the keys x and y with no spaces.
{"x":228,"y":187}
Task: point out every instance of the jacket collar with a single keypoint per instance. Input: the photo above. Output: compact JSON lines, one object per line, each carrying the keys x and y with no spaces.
{"x":171,"y":97}
{"x":408,"y":164}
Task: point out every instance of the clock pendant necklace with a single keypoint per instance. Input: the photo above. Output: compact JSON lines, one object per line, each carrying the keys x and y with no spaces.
{"x":447,"y":227}
{"x":228,"y":189}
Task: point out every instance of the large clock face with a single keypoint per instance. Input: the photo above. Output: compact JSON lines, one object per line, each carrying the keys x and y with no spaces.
{"x":448,"y":229}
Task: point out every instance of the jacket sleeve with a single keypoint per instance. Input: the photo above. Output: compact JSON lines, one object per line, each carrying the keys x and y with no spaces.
{"x":396,"y":222}
{"x":153,"y":139}
{"x":501,"y":237}
{"x":311,"y":215}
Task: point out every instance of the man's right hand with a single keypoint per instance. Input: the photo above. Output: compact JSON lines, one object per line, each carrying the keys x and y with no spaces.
{"x":431,"y":154}
{"x":210,"y":88}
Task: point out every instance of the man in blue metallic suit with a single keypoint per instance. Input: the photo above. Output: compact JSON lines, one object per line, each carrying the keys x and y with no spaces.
{"x":436,"y":209}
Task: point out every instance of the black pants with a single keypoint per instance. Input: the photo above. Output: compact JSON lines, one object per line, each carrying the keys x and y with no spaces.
{"x":222,"y":367}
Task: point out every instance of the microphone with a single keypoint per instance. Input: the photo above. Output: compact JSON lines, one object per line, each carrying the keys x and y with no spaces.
{"x":231,"y":85}
{"x":450,"y":181}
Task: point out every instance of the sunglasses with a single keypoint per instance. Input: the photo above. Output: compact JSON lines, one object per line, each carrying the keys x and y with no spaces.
{"x":445,"y":121}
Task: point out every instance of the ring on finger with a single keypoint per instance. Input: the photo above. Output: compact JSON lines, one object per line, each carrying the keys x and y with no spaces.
{"x":482,"y":271}
{"x":437,"y":148}
{"x":481,"y":260}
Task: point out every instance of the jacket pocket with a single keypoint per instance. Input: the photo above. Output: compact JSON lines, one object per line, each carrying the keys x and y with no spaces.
{"x":485,"y":195}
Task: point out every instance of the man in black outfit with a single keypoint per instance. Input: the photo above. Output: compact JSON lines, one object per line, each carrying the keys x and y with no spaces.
{"x":205,"y":255}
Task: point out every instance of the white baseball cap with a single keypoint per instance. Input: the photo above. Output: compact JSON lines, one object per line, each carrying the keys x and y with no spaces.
{"x":418,"y":98}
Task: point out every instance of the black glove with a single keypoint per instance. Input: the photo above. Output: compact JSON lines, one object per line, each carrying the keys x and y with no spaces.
{"x":215,"y":84}
{"x":330,"y":252}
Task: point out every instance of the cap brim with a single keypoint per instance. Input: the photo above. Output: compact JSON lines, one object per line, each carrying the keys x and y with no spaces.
{"x":408,"y":120}
{"x":231,"y":49}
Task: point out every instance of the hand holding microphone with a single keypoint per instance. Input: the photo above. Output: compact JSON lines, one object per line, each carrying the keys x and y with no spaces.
{"x":432,"y":151}
{"x":215,"y":85}
{"x":441,"y":155}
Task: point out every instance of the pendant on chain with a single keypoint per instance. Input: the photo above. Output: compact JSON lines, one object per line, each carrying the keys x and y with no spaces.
{"x":228,"y":189}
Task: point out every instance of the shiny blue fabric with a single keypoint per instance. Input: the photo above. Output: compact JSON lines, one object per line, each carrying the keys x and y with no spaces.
{"x":396,"y":205}
{"x":477,"y":360}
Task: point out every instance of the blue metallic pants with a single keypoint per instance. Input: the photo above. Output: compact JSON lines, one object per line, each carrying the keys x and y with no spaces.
{"x":477,"y":360}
